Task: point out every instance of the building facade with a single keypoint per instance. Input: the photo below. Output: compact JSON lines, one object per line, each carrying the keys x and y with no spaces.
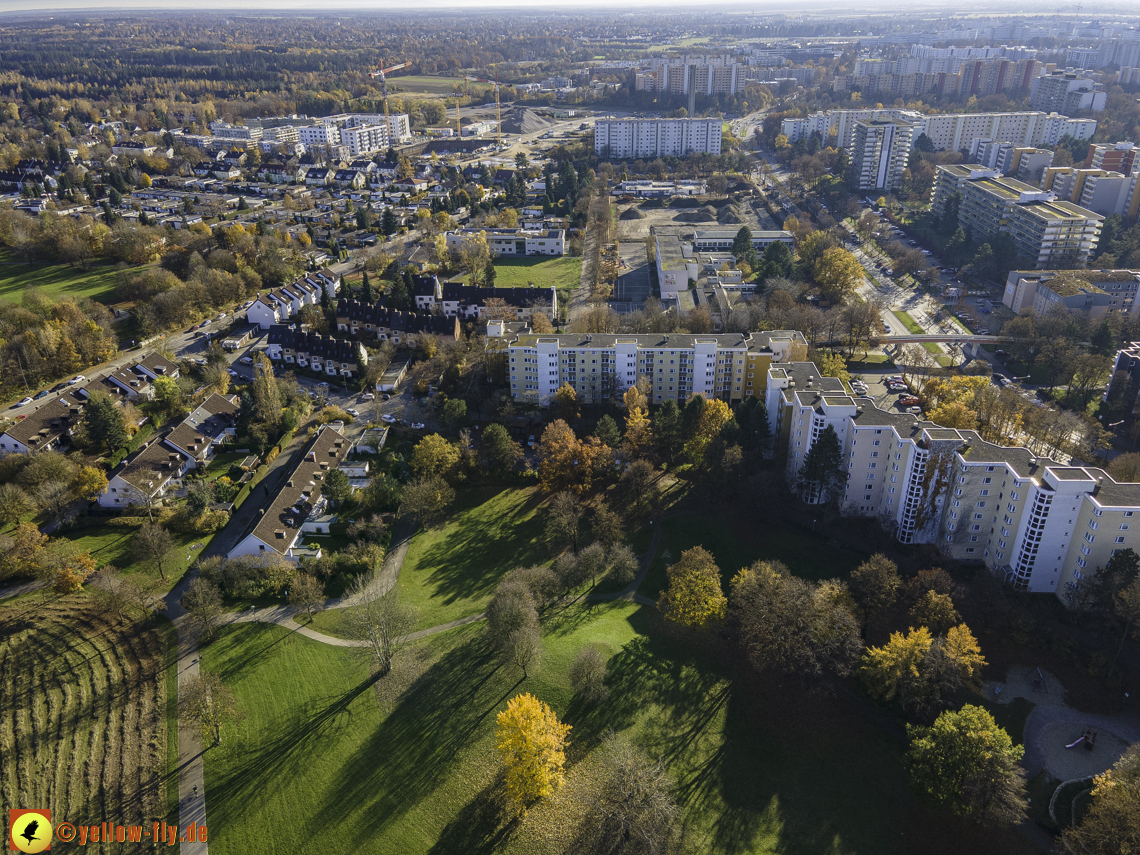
{"x":620,"y":139}
{"x":729,"y":367}
{"x":1040,"y":525}
{"x":879,"y":153}
{"x":513,"y":241}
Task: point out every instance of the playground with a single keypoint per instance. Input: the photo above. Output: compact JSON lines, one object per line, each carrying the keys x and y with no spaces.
{"x":1062,"y":741}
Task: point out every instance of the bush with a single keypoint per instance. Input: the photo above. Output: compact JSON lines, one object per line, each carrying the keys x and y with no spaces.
{"x":185,"y":523}
{"x":225,"y":490}
{"x":249,"y":577}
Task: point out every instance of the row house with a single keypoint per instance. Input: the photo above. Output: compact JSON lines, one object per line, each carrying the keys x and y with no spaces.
{"x":298,"y":506}
{"x":287,"y":301}
{"x":1040,"y":525}
{"x":314,"y":352}
{"x":385,"y":324}
{"x":470,"y":301}
{"x":164,"y":462}
{"x":46,"y":428}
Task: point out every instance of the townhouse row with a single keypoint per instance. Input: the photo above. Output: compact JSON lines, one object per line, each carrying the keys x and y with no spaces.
{"x":286,"y":302}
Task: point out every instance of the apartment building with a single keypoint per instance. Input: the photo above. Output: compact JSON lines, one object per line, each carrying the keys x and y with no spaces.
{"x":1067,"y":92}
{"x":879,"y":153}
{"x":364,"y":140}
{"x":704,"y":75}
{"x":298,"y":507}
{"x":729,"y":367}
{"x":1048,"y":233}
{"x":1041,"y":525}
{"x":285,"y":302}
{"x":226,"y":131}
{"x":1099,"y":292}
{"x":513,"y":241}
{"x":1112,"y":157}
{"x":620,"y":139}
{"x":380,"y":322}
{"x":1024,"y":163}
{"x":950,"y":132}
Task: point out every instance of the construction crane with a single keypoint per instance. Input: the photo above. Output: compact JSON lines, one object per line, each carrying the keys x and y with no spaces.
{"x":498,"y":110}
{"x":384,"y":89}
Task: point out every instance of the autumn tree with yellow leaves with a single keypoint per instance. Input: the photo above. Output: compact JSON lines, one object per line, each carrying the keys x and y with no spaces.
{"x":917,"y":668}
{"x":532,"y":745}
{"x":694,"y":597}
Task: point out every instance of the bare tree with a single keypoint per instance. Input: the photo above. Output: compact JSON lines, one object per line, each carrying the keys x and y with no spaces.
{"x":203,"y":602}
{"x":588,"y":675}
{"x":380,"y":620}
{"x":116,"y":595}
{"x":205,"y":699}
{"x":152,"y":545}
{"x":634,"y":810}
{"x":525,"y":647}
{"x":306,"y":593}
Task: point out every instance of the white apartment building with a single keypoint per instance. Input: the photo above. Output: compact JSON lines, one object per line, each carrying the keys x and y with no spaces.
{"x":226,"y":131}
{"x":730,"y":367}
{"x":620,"y":139}
{"x":1042,"y":526}
{"x":363,"y":140}
{"x":1067,"y":91}
{"x":880,"y":150}
{"x":951,"y":132}
{"x":513,"y":241}
{"x":704,"y":75}
{"x":318,"y":135}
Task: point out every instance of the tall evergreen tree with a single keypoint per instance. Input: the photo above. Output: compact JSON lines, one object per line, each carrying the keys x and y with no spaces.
{"x":667,"y":430}
{"x":366,"y":289}
{"x":104,"y":422}
{"x":742,"y":243}
{"x":823,"y":475}
{"x":266,"y":394}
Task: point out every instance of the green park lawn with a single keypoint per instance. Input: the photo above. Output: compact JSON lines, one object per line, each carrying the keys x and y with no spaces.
{"x":56,"y":280}
{"x":327,"y":758}
{"x":563,"y":273}
{"x":735,"y":544}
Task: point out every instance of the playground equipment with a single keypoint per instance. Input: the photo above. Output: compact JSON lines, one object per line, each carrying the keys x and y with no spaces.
{"x":1039,"y":684}
{"x":1087,"y":738}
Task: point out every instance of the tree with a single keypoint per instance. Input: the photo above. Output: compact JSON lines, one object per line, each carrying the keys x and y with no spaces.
{"x":622,"y":564}
{"x":454,"y":412}
{"x":266,"y":394}
{"x":15,"y":503}
{"x":935,"y":611}
{"x":1126,"y":607}
{"x":875,"y":584}
{"x":103,"y":422}
{"x":1111,"y":826}
{"x":592,"y":562}
{"x":23,"y":553}
{"x":633,"y":810}
{"x":512,"y":608}
{"x":167,"y":394}
{"x":73,"y":572}
{"x":608,"y":530}
{"x":336,"y":487}
{"x":837,"y":273}
{"x":776,"y":261}
{"x":668,"y":430}
{"x":152,"y":546}
{"x":637,"y":480}
{"x":967,"y":762}
{"x":525,"y":647}
{"x":382,"y":621}
{"x":118,"y":596}
{"x":306,"y":594}
{"x":954,"y":414}
{"x":715,"y":416}
{"x":205,"y":699}
{"x":564,"y":519}
{"x":607,"y":431}
{"x":588,"y":675}
{"x":794,"y":626}
{"x":531,"y":742}
{"x":434,"y":457}
{"x":203,"y":602}
{"x":742,"y":244}
{"x":565,"y":462}
{"x":693,"y":597}
{"x":199,"y":496}
{"x":566,"y":403}
{"x":498,"y":450}
{"x":426,"y":500}
{"x":823,"y":475}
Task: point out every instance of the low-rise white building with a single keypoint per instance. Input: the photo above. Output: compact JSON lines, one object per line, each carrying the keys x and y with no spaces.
{"x":513,"y":241}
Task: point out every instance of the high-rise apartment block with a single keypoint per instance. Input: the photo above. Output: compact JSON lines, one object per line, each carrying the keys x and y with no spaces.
{"x":1113,"y":157}
{"x":1096,"y":189}
{"x":729,"y":367}
{"x":879,"y":153}
{"x":704,"y":75}
{"x":1098,"y":292}
{"x":626,"y":138}
{"x":1066,"y":91}
{"x":950,"y":132}
{"x":1040,"y":524}
{"x":1048,"y":233}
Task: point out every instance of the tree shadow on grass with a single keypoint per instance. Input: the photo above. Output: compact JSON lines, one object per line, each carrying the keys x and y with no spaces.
{"x":469,"y":561}
{"x":413,"y":750}
{"x":481,"y":826}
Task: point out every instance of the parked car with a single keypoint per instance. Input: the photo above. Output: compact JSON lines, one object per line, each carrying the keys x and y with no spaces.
{"x":530,"y":441}
{"x":353,"y":413}
{"x":387,"y":419}
{"x":1001,"y":354}
{"x":915,"y":410}
{"x":246,"y":360}
{"x":39,"y":395}
{"x":322,"y":385}
{"x":385,"y":397}
{"x":58,"y":386}
{"x":368,"y":396}
{"x":24,"y":402}
{"x":232,"y":372}
{"x":417,"y":425}
{"x":78,"y":378}
{"x":1000,"y":379}
{"x":908,"y":401}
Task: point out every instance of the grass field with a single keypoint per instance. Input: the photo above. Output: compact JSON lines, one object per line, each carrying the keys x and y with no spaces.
{"x":56,"y":280}
{"x":909,"y":323}
{"x":83,"y":714}
{"x":326,"y":755}
{"x":735,"y":546}
{"x":112,"y":545}
{"x":563,"y":273}
{"x":433,"y":85}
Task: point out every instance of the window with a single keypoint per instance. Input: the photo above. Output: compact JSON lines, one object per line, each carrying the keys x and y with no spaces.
{"x":1094,"y":525}
{"x":987,"y":480}
{"x":1014,"y":496}
{"x":876,"y":442}
{"x":874,"y":454}
{"x":1124,"y":526}
{"x":981,"y":504}
{"x":973,"y":538}
{"x":975,"y":528}
{"x":1120,"y":540}
{"x":970,"y":549}
{"x":984,"y":493}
